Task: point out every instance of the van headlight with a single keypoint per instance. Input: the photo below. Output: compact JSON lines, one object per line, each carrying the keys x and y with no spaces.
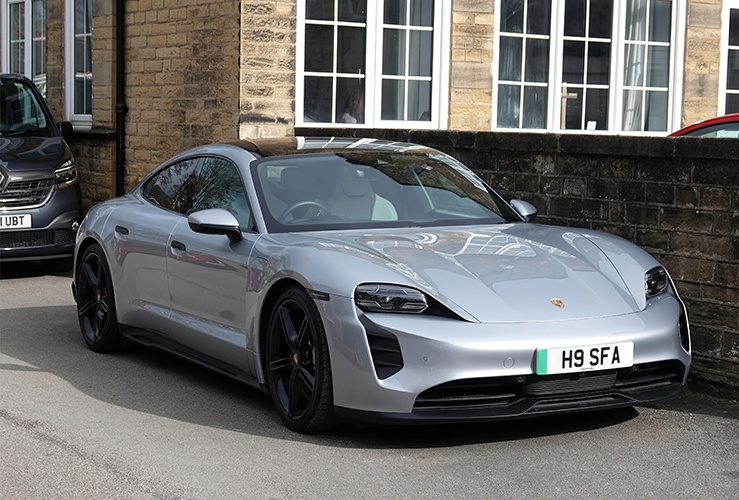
{"x":66,"y":174}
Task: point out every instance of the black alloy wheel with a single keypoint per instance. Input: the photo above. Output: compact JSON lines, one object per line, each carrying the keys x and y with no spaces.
{"x":95,"y":301}
{"x":297,"y":363}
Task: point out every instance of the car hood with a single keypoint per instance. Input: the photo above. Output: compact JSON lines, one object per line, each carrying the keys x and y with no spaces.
{"x":511,"y":272}
{"x":25,"y":154}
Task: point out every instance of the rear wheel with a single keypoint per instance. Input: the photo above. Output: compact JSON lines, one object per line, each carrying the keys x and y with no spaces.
{"x":96,"y":301}
{"x":297,"y":363}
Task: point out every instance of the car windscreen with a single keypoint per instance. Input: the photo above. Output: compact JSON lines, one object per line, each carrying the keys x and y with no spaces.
{"x":20,"y":111}
{"x":366,"y":189}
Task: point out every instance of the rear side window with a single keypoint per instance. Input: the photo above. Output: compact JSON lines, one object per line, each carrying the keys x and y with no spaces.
{"x":174,"y":187}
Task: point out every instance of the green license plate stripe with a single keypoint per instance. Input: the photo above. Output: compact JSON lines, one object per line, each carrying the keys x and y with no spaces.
{"x":541,"y":361}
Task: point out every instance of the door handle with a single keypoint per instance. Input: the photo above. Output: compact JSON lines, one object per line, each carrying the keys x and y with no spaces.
{"x":121,"y":230}
{"x":177,"y":245}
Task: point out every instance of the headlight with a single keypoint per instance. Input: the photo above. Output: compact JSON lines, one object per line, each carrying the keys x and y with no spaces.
{"x":655,"y":281}
{"x":66,"y":174}
{"x":389,"y":298}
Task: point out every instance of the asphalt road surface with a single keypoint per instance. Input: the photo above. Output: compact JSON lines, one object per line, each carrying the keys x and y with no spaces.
{"x":143,"y":424}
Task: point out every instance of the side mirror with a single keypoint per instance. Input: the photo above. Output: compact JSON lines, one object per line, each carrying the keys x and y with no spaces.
{"x":215,"y":221}
{"x":66,"y":129}
{"x":526,"y":210}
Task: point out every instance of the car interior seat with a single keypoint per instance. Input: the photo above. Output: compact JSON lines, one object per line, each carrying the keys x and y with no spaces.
{"x":354,"y":198}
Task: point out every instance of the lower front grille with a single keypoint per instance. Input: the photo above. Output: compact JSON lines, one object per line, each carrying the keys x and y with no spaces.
{"x":386,"y":355}
{"x":581,"y":387}
{"x":30,"y":239}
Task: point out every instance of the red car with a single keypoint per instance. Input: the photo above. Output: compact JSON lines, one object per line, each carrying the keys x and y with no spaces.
{"x":720,"y":126}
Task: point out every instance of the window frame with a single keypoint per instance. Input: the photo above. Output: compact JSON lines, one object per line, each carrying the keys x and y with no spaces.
{"x":723,"y":91}
{"x":79,"y":120}
{"x":616,"y":82}
{"x":373,"y":77}
{"x":29,"y":39}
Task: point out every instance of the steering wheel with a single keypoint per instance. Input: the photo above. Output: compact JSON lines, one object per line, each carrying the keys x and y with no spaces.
{"x":322,"y":210}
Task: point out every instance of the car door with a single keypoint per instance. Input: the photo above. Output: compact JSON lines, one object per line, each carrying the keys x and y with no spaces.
{"x":208,"y":274}
{"x":141,"y":242}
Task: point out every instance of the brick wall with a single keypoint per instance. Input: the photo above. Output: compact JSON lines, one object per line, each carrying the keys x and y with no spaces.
{"x":677,"y":198}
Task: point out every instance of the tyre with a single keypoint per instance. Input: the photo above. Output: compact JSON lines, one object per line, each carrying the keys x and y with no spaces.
{"x":96,"y":301}
{"x":298,"y":368}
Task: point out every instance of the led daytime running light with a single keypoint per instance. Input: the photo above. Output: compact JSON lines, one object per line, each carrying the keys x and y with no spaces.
{"x":389,"y":298}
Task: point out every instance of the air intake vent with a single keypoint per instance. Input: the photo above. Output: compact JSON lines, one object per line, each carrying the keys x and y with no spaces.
{"x":30,"y":239}
{"x":386,"y":355}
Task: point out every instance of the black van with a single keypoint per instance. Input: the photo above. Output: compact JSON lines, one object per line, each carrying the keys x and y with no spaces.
{"x":40,"y":202}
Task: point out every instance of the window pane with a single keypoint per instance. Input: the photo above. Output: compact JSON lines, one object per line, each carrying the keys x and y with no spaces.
{"x":636,"y":18}
{"x":732,"y":103}
{"x":511,"y":16}
{"x":574,"y":110}
{"x":420,"y":53}
{"x":573,"y":64}
{"x":661,"y":20}
{"x":539,"y":19}
{"x":599,"y":63}
{"x":659,"y":66}
{"x":537,"y":60}
{"x":393,"y":57}
{"x":419,"y":100}
{"x":219,"y":186}
{"x":350,"y":100}
{"x":351,"y":50}
{"x":509,"y":66}
{"x":322,"y":10}
{"x":656,"y":112}
{"x":732,"y":70}
{"x":353,"y":11}
{"x":575,"y":18}
{"x":393,"y":97}
{"x":317,"y":97}
{"x":509,"y":108}
{"x":632,"y":110}
{"x":535,"y":107}
{"x":319,"y":48}
{"x":422,"y":13}
{"x":734,"y":27}
{"x":634,"y":66}
{"x":395,"y":12}
{"x":17,"y":14}
{"x":601,"y":18}
{"x":596,"y":109}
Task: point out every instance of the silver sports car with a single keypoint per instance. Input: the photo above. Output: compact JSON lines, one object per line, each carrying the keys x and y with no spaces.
{"x":372,"y":281}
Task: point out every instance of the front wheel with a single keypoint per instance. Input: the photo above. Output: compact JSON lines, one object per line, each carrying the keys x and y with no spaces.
{"x":96,"y":302}
{"x":298,"y":369}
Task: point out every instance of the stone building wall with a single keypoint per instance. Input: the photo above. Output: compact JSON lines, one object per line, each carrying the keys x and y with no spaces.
{"x":676,"y":198}
{"x":471,"y":81}
{"x":182,"y":78}
{"x":702,"y":60}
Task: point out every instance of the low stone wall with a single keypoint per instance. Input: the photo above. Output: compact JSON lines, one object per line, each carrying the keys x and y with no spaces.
{"x":677,"y":198}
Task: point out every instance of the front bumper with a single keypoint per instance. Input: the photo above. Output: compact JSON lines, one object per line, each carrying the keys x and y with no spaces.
{"x":415,"y":368}
{"x":52,"y":234}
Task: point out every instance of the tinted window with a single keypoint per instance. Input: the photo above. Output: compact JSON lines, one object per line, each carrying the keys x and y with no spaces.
{"x":174,"y":187}
{"x":219,"y":186}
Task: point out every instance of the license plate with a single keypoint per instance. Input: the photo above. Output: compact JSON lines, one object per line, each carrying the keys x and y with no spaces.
{"x":15,"y":221}
{"x":584,"y":358}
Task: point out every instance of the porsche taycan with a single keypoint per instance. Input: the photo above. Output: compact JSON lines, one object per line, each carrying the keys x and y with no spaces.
{"x":367,"y":281}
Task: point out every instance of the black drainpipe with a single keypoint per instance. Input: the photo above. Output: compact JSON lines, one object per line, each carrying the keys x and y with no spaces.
{"x":120,"y":90}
